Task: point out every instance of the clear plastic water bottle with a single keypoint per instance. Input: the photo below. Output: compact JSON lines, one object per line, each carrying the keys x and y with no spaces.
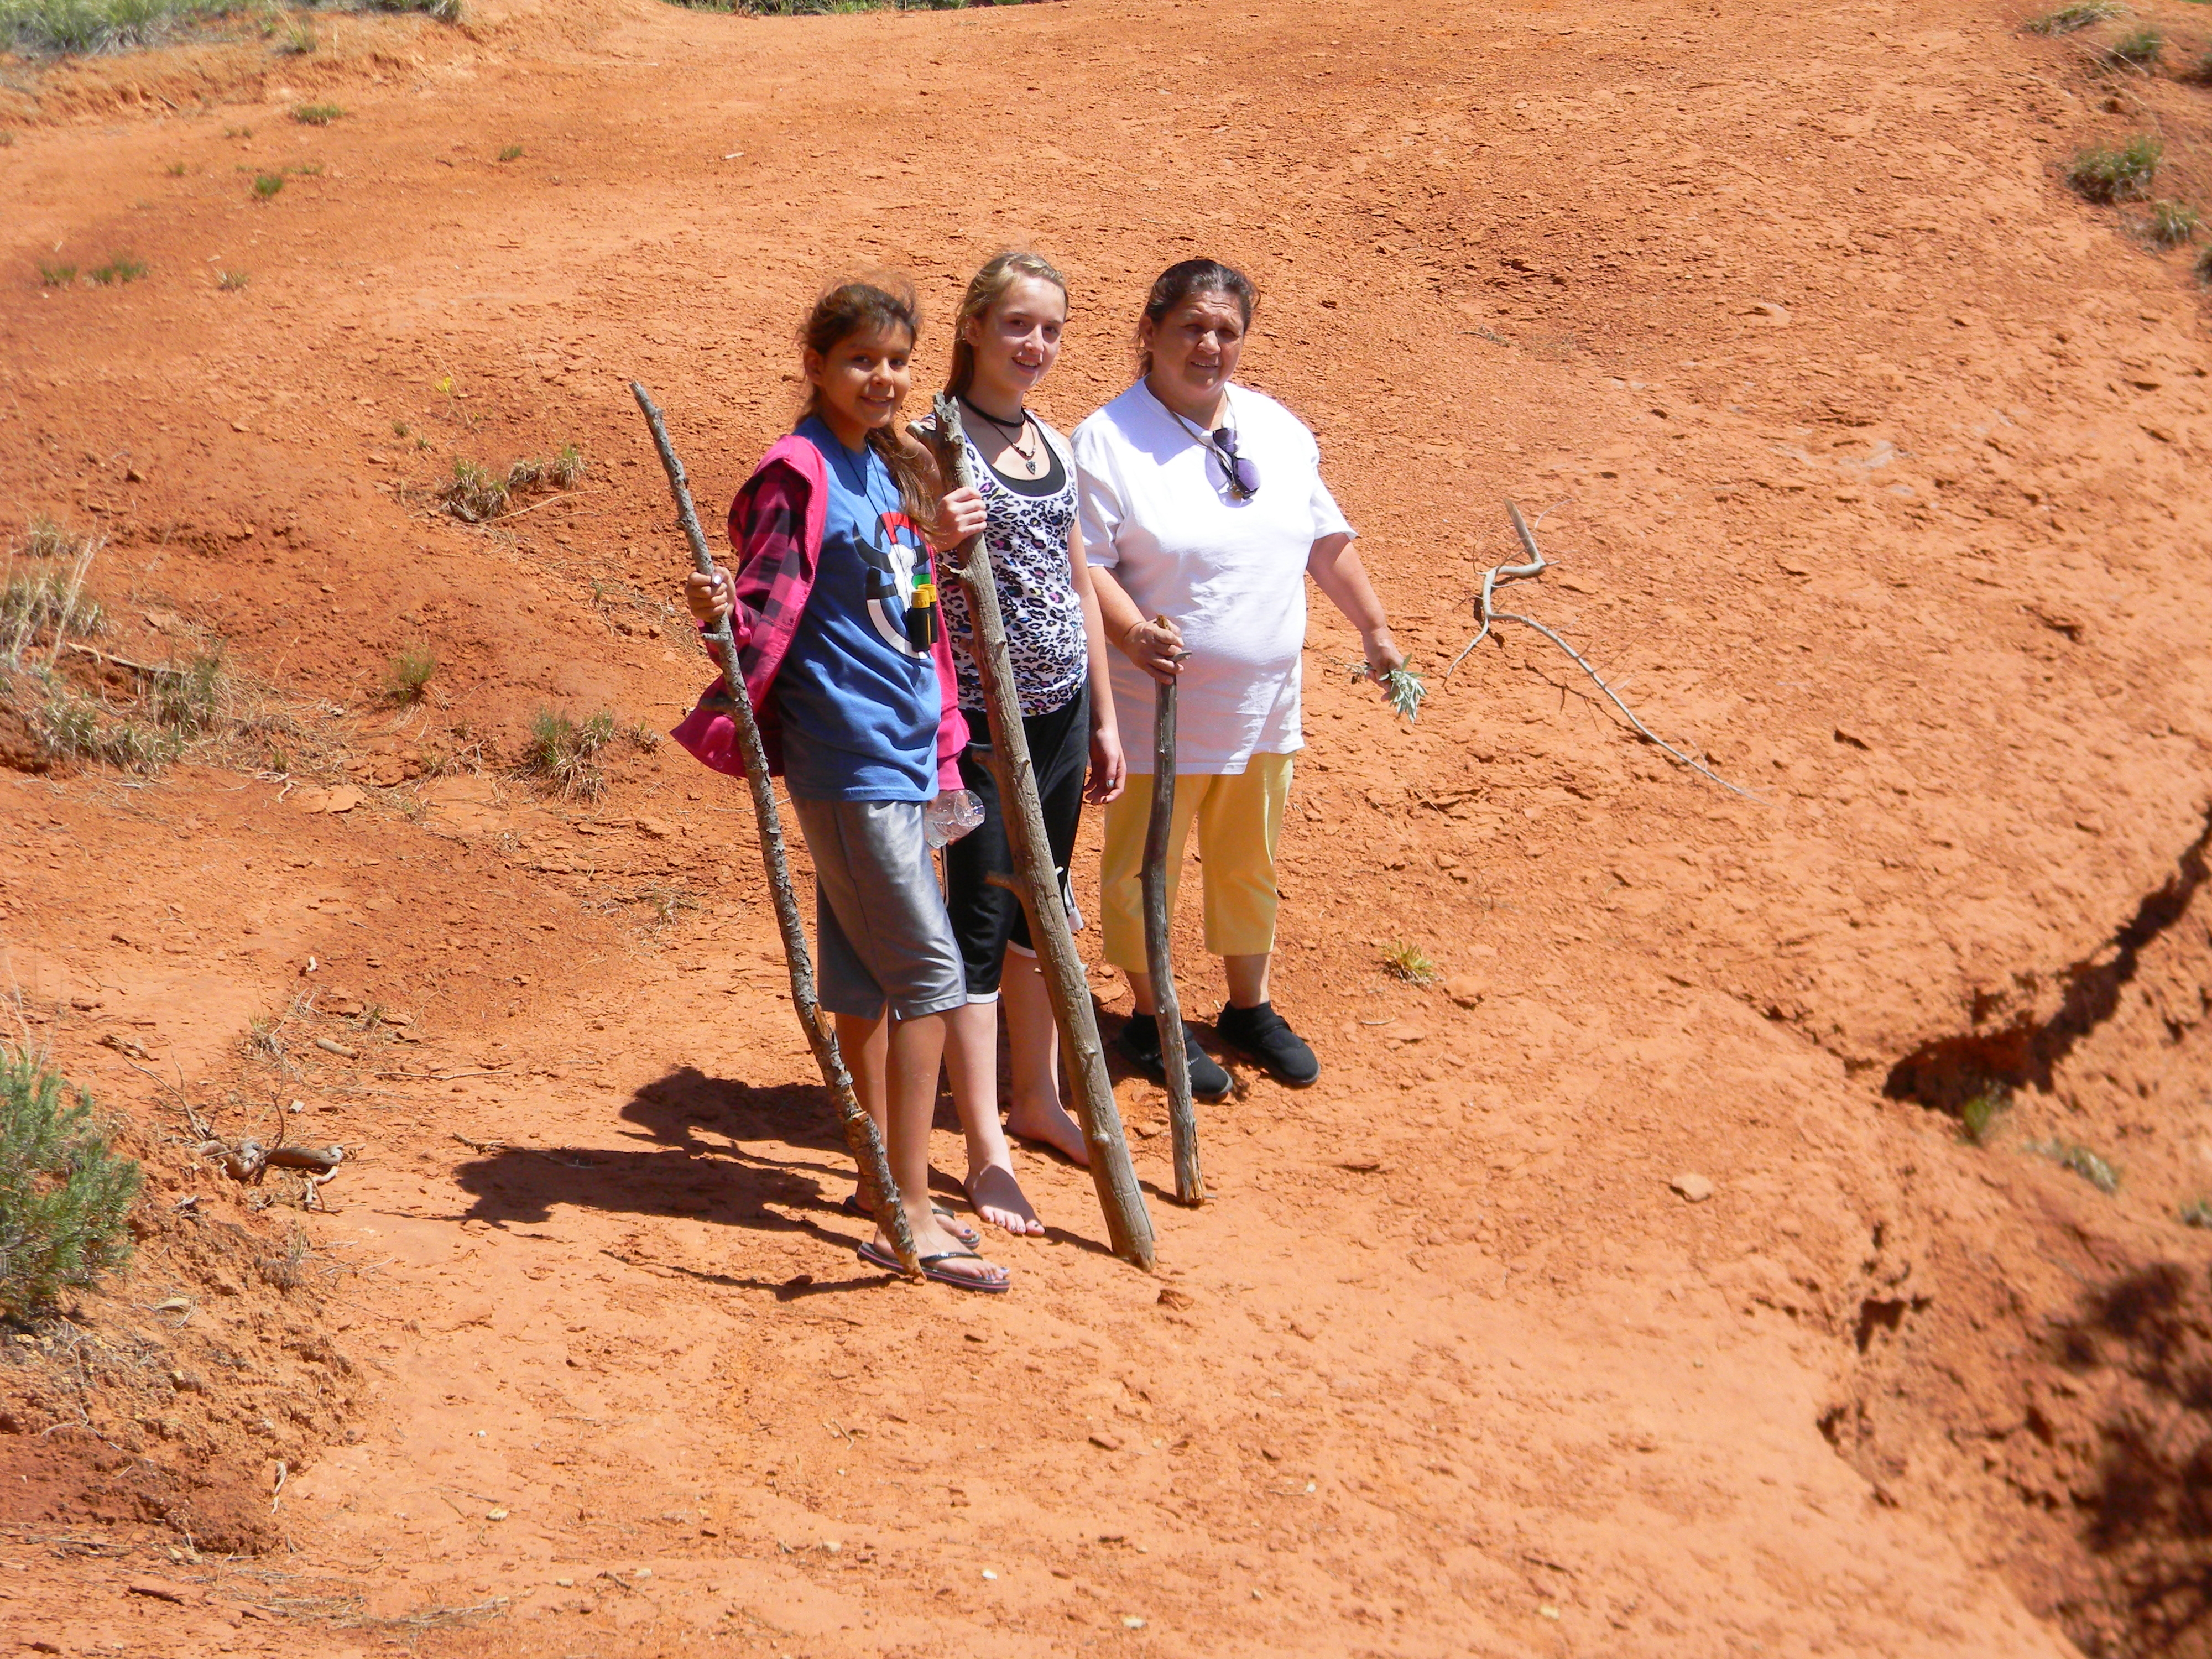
{"x":952,"y":815}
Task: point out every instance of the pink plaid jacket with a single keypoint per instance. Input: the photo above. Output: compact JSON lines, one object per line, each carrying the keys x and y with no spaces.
{"x":776,"y":529}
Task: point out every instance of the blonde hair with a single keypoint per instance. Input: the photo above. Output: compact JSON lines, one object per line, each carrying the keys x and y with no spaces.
{"x":1000,"y":273}
{"x":882,"y":302}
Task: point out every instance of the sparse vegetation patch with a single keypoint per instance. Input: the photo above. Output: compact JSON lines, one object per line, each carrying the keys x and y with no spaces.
{"x":476,"y":495}
{"x":2081,"y":14}
{"x":120,"y":269}
{"x":410,"y":673}
{"x":316,"y":115}
{"x":1409,"y":963}
{"x":2170,"y":224}
{"x":266,"y":185}
{"x":56,"y":275}
{"x":563,"y":756}
{"x":2140,"y":49}
{"x":1979,"y":1117}
{"x":2116,"y":173}
{"x":64,"y":1192}
{"x":2072,"y":1155}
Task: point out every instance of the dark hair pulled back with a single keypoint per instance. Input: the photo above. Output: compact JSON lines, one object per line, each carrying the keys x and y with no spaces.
{"x":882,"y":303}
{"x":1185,"y":280}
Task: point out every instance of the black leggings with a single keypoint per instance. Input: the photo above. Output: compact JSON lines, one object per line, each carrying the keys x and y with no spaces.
{"x":987,"y":919}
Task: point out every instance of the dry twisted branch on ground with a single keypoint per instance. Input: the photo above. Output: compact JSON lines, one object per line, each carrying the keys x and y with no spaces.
{"x":1498,"y":575}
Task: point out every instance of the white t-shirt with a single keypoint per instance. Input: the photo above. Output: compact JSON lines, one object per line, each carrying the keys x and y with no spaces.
{"x":1156,"y":511}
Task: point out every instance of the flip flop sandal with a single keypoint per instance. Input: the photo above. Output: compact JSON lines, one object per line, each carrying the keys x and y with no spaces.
{"x":881,"y":1258}
{"x":951,"y":1223}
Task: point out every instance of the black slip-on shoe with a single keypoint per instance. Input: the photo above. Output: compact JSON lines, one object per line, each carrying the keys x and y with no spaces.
{"x":1140,"y":1043}
{"x":1265,"y":1037}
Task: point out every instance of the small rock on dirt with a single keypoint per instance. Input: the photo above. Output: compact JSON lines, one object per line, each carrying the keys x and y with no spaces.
{"x":1694,"y":1188}
{"x":1466,"y":989}
{"x":1106,"y":1442}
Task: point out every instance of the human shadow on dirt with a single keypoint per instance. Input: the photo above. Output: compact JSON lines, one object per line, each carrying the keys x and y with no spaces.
{"x":772,"y":1162}
{"x":2147,"y":1339}
{"x":772,"y":1159}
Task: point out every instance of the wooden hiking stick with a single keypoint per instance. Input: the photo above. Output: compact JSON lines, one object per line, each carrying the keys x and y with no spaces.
{"x":1127,"y":1222}
{"x":1190,"y":1185}
{"x":867,"y":1145}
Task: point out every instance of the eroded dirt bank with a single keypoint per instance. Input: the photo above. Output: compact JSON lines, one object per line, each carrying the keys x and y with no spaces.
{"x":1882,"y":466}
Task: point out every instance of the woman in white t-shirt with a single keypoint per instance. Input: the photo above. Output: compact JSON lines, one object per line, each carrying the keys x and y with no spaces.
{"x":1203,"y":512}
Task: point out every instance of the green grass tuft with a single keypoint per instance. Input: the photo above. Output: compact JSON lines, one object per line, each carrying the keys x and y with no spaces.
{"x":2072,"y":1155}
{"x":2081,"y":14}
{"x":1409,"y":963}
{"x":473,"y":495}
{"x":2170,"y":224}
{"x":65,"y":1195}
{"x":316,"y":115}
{"x":410,"y":673}
{"x":1979,"y":1117}
{"x":2106,"y":173}
{"x":563,"y":756}
{"x":119,"y":268}
{"x":512,"y":153}
{"x":2140,"y":49}
{"x":266,"y":185}
{"x":56,"y":275}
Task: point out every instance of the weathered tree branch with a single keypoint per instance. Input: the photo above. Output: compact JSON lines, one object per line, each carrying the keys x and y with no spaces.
{"x":1497,"y":576}
{"x":1127,"y":1222}
{"x":1174,"y":1058}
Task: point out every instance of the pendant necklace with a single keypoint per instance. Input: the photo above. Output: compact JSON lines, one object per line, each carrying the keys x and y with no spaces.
{"x":1016,"y":431}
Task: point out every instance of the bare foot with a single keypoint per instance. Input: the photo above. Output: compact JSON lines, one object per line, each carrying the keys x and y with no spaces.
{"x":1049,"y":1123}
{"x":1000,"y":1201}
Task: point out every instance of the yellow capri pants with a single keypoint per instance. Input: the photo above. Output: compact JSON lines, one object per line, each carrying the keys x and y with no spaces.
{"x":1240,"y":821}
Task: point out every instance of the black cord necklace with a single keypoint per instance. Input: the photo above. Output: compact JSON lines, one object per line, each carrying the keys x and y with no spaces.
{"x":1015,"y":431}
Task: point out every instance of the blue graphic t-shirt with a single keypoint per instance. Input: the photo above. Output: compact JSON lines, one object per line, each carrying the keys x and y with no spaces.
{"x":858,"y":692}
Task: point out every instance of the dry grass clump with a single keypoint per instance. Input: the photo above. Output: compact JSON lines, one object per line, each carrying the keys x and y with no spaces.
{"x":409,"y":675}
{"x":1409,"y":963}
{"x":43,"y":539}
{"x":477,"y":495}
{"x":2170,"y":224}
{"x":2140,"y":49}
{"x":316,"y":115}
{"x":2079,"y":15}
{"x":563,"y":756}
{"x":2116,"y":173}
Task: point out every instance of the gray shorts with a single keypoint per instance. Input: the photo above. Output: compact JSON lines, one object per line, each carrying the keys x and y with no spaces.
{"x":878,"y":913}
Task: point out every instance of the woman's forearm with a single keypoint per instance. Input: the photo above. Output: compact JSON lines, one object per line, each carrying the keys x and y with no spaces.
{"x":1094,"y":633}
{"x":1116,"y":608}
{"x":1335,"y":567}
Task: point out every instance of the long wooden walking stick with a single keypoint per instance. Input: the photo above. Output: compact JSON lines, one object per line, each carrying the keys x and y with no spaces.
{"x":1182,"y":1121}
{"x":1128,"y":1223}
{"x":879,"y":1190}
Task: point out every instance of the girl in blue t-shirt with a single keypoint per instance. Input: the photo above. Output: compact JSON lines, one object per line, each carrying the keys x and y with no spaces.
{"x":842,"y":648}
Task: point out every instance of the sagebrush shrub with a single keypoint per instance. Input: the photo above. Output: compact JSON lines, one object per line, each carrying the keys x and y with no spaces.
{"x":64,"y":1192}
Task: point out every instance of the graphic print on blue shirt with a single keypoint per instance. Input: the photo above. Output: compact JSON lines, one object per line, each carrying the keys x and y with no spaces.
{"x":858,"y":693}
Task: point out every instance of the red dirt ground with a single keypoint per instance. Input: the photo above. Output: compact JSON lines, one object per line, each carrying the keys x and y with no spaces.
{"x":1879,"y":461}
